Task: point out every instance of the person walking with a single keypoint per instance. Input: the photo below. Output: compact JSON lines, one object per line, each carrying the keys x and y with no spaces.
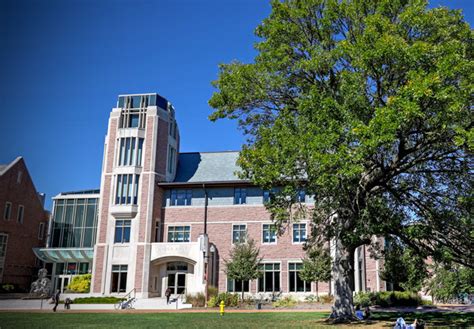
{"x":168,"y":294}
{"x":56,"y":299}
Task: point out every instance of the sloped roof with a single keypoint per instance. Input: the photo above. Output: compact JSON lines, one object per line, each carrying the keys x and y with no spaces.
{"x":4,"y":167}
{"x":205,"y":167}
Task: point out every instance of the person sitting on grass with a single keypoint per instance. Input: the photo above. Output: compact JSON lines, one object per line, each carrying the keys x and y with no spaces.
{"x":358,"y":313}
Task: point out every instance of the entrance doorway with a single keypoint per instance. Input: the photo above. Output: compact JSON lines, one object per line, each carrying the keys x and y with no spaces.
{"x":62,"y":282}
{"x":177,"y":283}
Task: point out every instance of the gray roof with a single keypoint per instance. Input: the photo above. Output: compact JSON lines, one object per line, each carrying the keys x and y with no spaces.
{"x":207,"y":167}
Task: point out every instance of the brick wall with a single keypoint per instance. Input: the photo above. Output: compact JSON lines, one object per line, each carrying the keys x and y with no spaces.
{"x":20,"y":262}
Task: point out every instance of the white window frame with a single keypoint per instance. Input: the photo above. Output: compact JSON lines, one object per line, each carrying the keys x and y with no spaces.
{"x":232,"y":233}
{"x":184,"y":225}
{"x":304,"y":284}
{"x":8,"y":205}
{"x":276,"y":234}
{"x":262,"y":277}
{"x":293,"y":232}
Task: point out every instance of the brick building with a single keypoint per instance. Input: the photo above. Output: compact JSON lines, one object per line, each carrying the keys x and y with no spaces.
{"x":23,"y":224}
{"x":169,"y":220}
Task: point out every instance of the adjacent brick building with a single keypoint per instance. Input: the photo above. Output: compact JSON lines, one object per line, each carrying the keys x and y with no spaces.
{"x":23,"y":224}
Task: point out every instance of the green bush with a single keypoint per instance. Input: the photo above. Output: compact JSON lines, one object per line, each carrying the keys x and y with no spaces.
{"x":212,"y":302}
{"x":197,"y":300}
{"x":387,"y":298}
{"x":287,"y":301}
{"x":311,"y":299}
{"x":80,"y":283}
{"x":228,"y":298}
{"x":8,"y":287}
{"x":97,"y":300}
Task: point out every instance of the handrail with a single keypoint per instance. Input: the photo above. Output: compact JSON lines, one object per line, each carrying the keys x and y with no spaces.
{"x":128,"y":296}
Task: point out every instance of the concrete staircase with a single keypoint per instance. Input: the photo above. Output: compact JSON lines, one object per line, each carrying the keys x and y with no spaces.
{"x":159,"y":303}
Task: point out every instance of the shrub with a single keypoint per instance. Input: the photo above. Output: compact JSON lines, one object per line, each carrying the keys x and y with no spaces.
{"x":212,"y":302}
{"x":311,"y":299}
{"x":212,"y":291}
{"x":80,"y":283}
{"x":97,"y":300}
{"x":387,"y":298}
{"x":197,"y":300}
{"x":326,"y":299}
{"x":8,"y":287}
{"x":287,"y":301}
{"x":228,"y":298}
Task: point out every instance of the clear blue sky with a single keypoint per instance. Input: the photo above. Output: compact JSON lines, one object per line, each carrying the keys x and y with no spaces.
{"x":63,"y":63}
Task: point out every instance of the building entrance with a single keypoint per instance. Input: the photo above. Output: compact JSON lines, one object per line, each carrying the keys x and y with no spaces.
{"x":177,"y":283}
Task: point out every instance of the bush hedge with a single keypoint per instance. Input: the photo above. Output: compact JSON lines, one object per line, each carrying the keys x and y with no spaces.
{"x":387,"y":299}
{"x":80,"y":283}
{"x":197,"y":300}
{"x":228,"y":298}
{"x":97,"y":300}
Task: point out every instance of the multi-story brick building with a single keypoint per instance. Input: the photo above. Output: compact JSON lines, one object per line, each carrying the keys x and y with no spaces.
{"x":23,"y":224}
{"x":169,"y":220}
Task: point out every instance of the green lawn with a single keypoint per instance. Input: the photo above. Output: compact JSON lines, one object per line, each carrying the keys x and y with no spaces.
{"x":211,"y":320}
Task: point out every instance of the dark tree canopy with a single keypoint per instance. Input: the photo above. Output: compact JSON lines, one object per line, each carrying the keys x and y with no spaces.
{"x":367,"y":104}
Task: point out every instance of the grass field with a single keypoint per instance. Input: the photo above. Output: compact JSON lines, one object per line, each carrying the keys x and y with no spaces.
{"x":213,"y":320}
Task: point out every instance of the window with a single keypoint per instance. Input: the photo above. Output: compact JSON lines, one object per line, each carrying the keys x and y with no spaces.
{"x":181,"y":197}
{"x":134,"y":120}
{"x":3,"y":252}
{"x":171,"y":158}
{"x":122,"y":231}
{"x":177,"y":266}
{"x":270,"y":279}
{"x":296,"y":284}
{"x":41,"y":231}
{"x":130,"y":151}
{"x":269,"y":233}
{"x":301,"y":196}
{"x":18,"y":177}
{"x":179,"y":233}
{"x":299,"y":233}
{"x":8,"y":211}
{"x":74,"y":223}
{"x":239,"y":233}
{"x":240,"y":196}
{"x":238,"y":285}
{"x":127,"y":189}
{"x":119,"y":278}
{"x":21,"y":211}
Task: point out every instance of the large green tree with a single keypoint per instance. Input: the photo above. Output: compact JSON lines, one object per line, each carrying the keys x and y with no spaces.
{"x":367,"y":104}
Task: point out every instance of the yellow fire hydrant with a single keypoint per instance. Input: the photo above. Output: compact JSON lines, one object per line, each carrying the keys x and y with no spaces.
{"x":222,"y":306}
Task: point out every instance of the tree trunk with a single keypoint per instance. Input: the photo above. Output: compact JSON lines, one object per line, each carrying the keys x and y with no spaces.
{"x":243,"y":292}
{"x":317,"y":291}
{"x":343,"y":276}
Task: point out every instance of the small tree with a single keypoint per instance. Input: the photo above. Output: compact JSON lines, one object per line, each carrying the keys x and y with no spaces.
{"x":243,"y":263}
{"x":404,"y":268}
{"x":316,"y":267}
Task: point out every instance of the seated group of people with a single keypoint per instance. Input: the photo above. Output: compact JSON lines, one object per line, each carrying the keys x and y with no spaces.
{"x":362,"y":315}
